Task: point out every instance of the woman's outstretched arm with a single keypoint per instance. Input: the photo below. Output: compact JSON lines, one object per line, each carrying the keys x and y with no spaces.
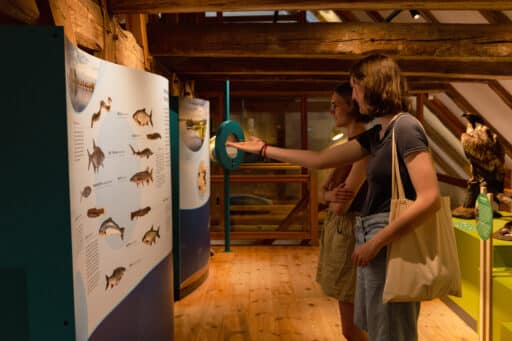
{"x":336,"y":156}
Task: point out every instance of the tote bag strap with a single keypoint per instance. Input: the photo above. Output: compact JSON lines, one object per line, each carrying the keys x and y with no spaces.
{"x":397,"y":188}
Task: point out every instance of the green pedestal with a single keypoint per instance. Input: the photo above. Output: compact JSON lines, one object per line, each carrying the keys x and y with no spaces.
{"x":468,"y":244}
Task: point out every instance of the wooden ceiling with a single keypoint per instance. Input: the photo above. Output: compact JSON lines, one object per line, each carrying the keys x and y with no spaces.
{"x":262,"y":53}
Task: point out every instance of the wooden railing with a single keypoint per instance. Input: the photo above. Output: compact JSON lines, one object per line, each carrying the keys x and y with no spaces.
{"x":269,"y":222}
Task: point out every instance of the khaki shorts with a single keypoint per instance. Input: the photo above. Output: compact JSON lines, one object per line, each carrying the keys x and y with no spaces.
{"x":336,"y":272}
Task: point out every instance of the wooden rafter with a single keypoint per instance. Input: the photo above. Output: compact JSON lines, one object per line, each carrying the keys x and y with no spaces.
{"x":501,"y":92}
{"x":495,"y":17}
{"x":186,"y":6}
{"x":448,"y":149}
{"x":429,"y":17}
{"x":463,"y":103}
{"x":455,"y":42}
{"x":375,"y":16}
{"x":445,"y":115}
{"x":346,"y":16}
{"x":251,"y":66}
{"x":25,"y":11}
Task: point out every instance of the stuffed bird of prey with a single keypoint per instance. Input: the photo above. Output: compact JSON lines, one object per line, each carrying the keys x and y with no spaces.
{"x":486,"y":156}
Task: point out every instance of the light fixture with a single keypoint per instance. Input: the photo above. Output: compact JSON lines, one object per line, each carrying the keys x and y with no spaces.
{"x":337,"y":136}
{"x":415,"y":14}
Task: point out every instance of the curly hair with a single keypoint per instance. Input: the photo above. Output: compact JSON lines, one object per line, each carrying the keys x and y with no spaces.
{"x":384,"y":86}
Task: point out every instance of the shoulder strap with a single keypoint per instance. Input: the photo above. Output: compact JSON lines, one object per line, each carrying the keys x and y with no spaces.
{"x":397,"y":188}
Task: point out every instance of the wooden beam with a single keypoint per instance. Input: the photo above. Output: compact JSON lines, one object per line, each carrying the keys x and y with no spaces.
{"x":429,"y":17}
{"x":186,"y":6}
{"x":136,"y":24}
{"x":252,"y":18}
{"x":448,"y":149}
{"x":25,"y":11}
{"x":444,"y":114}
{"x":420,"y":102}
{"x":501,"y":92}
{"x":346,"y":16}
{"x":452,"y":180}
{"x":425,"y":87}
{"x":441,"y":69}
{"x":375,"y":16}
{"x":495,"y":17}
{"x":240,"y":87}
{"x":455,"y":42}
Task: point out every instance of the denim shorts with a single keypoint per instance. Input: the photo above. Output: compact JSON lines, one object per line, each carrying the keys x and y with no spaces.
{"x":382,"y":321}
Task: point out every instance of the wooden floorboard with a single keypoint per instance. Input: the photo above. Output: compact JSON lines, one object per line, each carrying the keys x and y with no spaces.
{"x":269,"y":293}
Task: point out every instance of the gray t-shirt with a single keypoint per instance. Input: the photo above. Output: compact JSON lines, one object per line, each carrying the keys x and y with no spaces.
{"x":410,"y":138}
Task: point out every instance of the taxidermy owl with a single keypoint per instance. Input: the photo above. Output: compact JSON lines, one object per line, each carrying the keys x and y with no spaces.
{"x":486,"y":156}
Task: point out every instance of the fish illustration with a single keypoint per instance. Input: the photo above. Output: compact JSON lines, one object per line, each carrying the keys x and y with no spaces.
{"x":95,"y":212}
{"x":146,"y":152}
{"x":151,"y":235}
{"x":85,"y":192}
{"x":143,"y":176}
{"x":96,"y":158}
{"x":153,"y":136}
{"x":115,"y":278}
{"x":140,"y":213}
{"x":96,"y":116}
{"x":109,"y":227}
{"x":142,"y":118}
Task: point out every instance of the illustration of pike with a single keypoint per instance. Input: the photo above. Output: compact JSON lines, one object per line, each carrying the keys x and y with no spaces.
{"x":146,"y":152}
{"x":140,"y":213}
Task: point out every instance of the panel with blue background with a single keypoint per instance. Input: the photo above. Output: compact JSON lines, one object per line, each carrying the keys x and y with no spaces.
{"x":192,"y":238}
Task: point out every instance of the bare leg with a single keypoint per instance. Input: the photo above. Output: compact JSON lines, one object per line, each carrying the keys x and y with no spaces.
{"x":348,"y":329}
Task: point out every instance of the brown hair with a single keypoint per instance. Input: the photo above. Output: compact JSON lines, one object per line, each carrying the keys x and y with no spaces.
{"x":384,"y":86}
{"x":344,"y":90}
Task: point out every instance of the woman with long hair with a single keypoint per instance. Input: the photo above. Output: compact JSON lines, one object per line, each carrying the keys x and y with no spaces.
{"x":336,"y":272}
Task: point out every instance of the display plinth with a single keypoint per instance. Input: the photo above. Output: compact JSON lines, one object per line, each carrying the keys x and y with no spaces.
{"x":468,"y":244}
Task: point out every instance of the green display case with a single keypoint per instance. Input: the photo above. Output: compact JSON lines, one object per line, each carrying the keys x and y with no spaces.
{"x":468,"y":244}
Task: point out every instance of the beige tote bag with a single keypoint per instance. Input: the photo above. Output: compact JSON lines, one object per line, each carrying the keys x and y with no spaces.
{"x":422,"y":264}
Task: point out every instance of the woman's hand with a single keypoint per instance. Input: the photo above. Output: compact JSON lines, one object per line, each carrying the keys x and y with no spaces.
{"x":252,"y":145}
{"x":341,"y":194}
{"x":363,"y":254}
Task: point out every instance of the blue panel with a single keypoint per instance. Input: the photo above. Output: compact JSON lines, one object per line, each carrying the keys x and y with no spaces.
{"x":146,"y":313}
{"x":194,"y":243}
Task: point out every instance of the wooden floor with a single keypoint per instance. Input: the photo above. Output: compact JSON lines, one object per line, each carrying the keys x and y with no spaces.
{"x":269,"y":293}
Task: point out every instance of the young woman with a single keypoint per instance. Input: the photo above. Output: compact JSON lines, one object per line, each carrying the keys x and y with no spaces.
{"x":378,"y":88}
{"x":336,"y":272}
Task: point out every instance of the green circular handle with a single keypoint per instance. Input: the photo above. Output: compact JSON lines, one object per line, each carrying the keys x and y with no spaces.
{"x":226,"y":129}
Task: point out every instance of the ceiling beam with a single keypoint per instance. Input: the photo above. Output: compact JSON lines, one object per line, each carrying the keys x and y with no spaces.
{"x":455,"y":42}
{"x":447,"y":69}
{"x":186,"y":6}
{"x":448,"y":149}
{"x":495,"y":17}
{"x":25,"y":11}
{"x":446,"y":116}
{"x":501,"y":92}
{"x":375,"y":16}
{"x":346,"y":16}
